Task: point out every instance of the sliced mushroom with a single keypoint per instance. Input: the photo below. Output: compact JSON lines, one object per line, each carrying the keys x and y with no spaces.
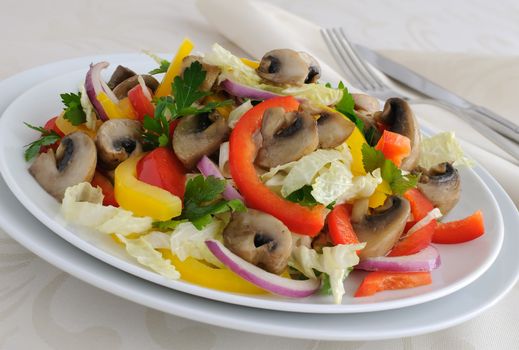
{"x":333,"y":129}
{"x":366,"y":103}
{"x":260,"y":239}
{"x":120,"y":74}
{"x":121,"y":90}
{"x":381,"y":227}
{"x":441,"y":185}
{"x":398,"y":117}
{"x":286,"y":137}
{"x":117,"y":140}
{"x":199,"y":135}
{"x":74,"y":162}
{"x":211,"y":72}
{"x":289,"y":67}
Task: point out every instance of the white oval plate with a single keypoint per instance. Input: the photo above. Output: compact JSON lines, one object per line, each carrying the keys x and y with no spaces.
{"x":462,"y":264}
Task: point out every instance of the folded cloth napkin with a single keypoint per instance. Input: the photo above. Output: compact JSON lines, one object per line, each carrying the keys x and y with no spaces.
{"x":259,"y":27}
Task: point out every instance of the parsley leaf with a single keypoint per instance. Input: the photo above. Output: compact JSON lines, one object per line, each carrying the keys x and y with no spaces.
{"x":47,"y":138}
{"x":201,"y":202}
{"x":373,"y":159}
{"x":74,"y":111}
{"x":186,"y":91}
{"x":347,"y":107}
{"x":163,"y":68}
{"x":303,"y":196}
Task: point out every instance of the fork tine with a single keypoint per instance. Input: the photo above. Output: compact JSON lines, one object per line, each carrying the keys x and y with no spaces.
{"x":374,"y":77}
{"x":356,"y":61}
{"x":331,"y":42}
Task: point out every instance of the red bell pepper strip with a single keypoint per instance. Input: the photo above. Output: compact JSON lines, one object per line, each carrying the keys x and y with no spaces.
{"x":460,"y":231}
{"x":415,"y":242}
{"x":379,"y":281}
{"x":50,"y":125}
{"x":162,"y":168}
{"x":394,"y":146}
{"x":99,"y":180}
{"x":242,"y":152}
{"x":339,"y":226}
{"x":140,"y":103}
{"x":420,"y":205}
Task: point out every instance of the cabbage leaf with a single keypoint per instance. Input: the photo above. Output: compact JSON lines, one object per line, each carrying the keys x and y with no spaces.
{"x":442,"y":147}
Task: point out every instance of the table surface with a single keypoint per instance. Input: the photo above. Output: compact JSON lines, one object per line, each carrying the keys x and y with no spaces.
{"x":44,"y":308}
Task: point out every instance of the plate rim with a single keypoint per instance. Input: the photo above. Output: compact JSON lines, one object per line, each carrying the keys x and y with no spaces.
{"x":232,"y":298}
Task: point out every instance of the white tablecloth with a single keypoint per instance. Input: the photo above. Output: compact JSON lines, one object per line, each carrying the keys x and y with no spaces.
{"x":474,"y":43}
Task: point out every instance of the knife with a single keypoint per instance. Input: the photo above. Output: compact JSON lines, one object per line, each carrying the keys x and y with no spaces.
{"x":426,"y":87}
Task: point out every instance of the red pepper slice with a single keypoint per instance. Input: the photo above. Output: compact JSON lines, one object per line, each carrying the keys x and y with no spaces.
{"x":460,"y":231}
{"x":99,"y":180}
{"x":394,"y":146}
{"x":162,"y":168}
{"x":416,"y":241}
{"x":339,"y":226}
{"x":50,"y":125}
{"x":140,"y":103}
{"x":420,"y":205}
{"x":242,"y":152}
{"x":379,"y":281}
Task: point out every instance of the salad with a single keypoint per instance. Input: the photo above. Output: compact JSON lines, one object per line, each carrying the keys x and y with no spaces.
{"x":253,"y":177}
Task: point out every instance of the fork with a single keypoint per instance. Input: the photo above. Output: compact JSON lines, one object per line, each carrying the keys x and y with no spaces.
{"x":362,"y":76}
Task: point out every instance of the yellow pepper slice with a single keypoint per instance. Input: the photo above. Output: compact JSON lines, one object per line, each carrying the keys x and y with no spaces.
{"x":141,"y":198}
{"x":197,"y":272}
{"x":126,"y":108}
{"x":112,"y":110}
{"x":184,"y":50}
{"x":67,"y":128}
{"x":250,"y":63}
{"x":224,"y":110}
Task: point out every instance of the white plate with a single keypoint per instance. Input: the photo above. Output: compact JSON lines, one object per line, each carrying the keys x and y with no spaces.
{"x":42,"y":101}
{"x":436,"y":315}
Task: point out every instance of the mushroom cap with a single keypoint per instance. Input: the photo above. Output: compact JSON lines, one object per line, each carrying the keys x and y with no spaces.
{"x":381,"y":228}
{"x":199,"y":135}
{"x":286,"y":137}
{"x":366,"y":103}
{"x":289,"y":67}
{"x":74,"y":162}
{"x":260,"y":239}
{"x":398,"y":117}
{"x":211,"y":72}
{"x":120,"y":74}
{"x":117,"y":140}
{"x":441,"y":184}
{"x":333,"y":129}
{"x":121,"y":89}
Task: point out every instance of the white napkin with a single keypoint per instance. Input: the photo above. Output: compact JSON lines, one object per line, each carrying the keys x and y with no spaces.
{"x":259,"y":27}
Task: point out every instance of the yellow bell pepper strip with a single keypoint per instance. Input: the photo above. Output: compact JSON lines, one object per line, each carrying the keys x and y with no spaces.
{"x":112,"y":110}
{"x":127,"y":109}
{"x":67,"y":128}
{"x":197,"y":272}
{"x":139,"y":197}
{"x":250,"y":63}
{"x":224,"y":111}
{"x":184,"y":50}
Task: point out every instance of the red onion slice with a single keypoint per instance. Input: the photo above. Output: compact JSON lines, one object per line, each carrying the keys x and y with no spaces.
{"x":94,"y":85}
{"x":426,"y":260}
{"x":261,"y":278}
{"x":239,"y":90}
{"x":208,"y":168}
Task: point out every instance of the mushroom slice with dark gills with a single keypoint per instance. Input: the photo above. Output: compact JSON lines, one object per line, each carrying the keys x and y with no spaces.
{"x":120,"y":74}
{"x":289,"y":67}
{"x":441,"y":185}
{"x":333,"y":129}
{"x":286,"y":137}
{"x":74,"y":162}
{"x":380,"y":227}
{"x":397,"y":116}
{"x":211,"y":72}
{"x":117,"y":140}
{"x":259,"y":238}
{"x":199,"y":135}
{"x":121,"y":90}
